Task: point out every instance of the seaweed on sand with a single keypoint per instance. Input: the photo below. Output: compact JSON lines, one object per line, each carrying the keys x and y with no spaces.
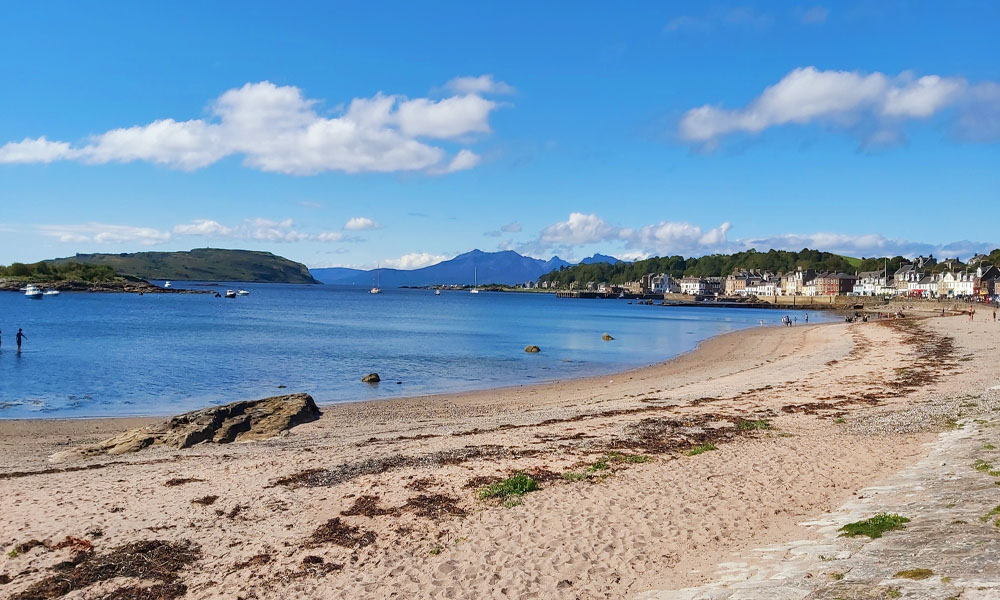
{"x":434,"y":506}
{"x":337,"y":532}
{"x":155,"y":560}
{"x":368,"y":506}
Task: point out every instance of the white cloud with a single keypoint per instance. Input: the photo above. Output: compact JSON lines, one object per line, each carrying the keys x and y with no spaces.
{"x":360,"y":224}
{"x":513,"y":227}
{"x":38,"y":150}
{"x":257,"y":229}
{"x":675,"y":237}
{"x":448,"y":118}
{"x":815,"y":15}
{"x":484,"y":84}
{"x":720,"y":17}
{"x":415,"y":260}
{"x":276,"y":129}
{"x":330,"y":236}
{"x":865,"y":245}
{"x":202,"y":227}
{"x":665,"y":237}
{"x":578,"y":230}
{"x":101,"y":233}
{"x":875,"y":104}
{"x":464,"y":160}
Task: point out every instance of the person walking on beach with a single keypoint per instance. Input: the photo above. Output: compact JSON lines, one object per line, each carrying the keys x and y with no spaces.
{"x":807,"y":317}
{"x":19,"y":336}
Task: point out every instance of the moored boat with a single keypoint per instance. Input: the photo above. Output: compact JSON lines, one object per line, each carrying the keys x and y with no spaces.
{"x":230,"y":294}
{"x":33,"y":292}
{"x":51,"y":292}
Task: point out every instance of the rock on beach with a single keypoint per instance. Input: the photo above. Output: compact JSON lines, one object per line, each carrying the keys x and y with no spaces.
{"x":234,"y":422}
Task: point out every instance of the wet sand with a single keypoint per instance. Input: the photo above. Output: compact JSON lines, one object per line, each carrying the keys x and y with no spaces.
{"x":383,"y":499}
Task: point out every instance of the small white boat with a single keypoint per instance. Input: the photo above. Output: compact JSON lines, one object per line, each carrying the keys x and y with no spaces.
{"x":166,"y":284}
{"x":51,"y":293}
{"x":475,"y":279}
{"x":376,"y":289}
{"x":230,"y":294}
{"x":437,"y":292}
{"x":33,"y":292}
{"x":242,"y":293}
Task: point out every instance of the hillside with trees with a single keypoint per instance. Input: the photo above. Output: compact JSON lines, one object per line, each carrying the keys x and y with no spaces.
{"x":200,"y":264}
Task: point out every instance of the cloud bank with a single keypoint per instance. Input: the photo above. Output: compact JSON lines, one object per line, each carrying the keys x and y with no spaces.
{"x":259,"y":230}
{"x":875,"y":106}
{"x":678,"y":237}
{"x":277,"y":129}
{"x":415,"y":260}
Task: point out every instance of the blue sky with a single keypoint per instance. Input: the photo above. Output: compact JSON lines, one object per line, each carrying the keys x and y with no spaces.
{"x":401,"y":133}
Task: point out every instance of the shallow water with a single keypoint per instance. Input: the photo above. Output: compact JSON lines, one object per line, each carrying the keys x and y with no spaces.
{"x":122,"y":354}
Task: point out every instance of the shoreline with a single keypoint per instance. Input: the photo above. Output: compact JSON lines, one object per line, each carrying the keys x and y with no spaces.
{"x":384,"y":499}
{"x":554,"y":384}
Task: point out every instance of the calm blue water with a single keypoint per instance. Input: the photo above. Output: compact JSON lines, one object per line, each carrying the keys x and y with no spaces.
{"x":158,"y":354}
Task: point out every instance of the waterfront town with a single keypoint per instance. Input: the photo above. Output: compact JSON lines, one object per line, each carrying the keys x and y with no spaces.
{"x":924,"y":277}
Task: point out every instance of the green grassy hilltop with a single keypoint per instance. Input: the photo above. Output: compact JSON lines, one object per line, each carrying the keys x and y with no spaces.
{"x":199,"y":264}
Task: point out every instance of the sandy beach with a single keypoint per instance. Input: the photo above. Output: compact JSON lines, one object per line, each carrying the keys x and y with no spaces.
{"x":385,"y":499}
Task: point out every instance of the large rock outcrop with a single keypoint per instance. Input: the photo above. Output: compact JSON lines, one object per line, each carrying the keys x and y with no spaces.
{"x":235,"y":422}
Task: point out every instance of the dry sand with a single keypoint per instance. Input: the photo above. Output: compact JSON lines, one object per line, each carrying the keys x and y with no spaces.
{"x":380,"y":499}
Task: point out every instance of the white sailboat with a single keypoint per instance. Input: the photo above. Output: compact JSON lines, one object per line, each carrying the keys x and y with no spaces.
{"x":376,"y":289}
{"x":166,"y":284}
{"x":475,"y":279}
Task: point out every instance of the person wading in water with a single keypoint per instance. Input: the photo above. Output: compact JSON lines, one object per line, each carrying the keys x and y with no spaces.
{"x":20,"y":334}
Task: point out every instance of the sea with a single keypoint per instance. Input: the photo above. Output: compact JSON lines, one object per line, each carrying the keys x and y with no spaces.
{"x":110,"y":355}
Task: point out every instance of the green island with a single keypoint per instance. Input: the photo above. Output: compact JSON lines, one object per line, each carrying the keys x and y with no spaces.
{"x":130,"y":272}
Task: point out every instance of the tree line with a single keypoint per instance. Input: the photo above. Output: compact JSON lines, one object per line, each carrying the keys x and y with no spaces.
{"x":69,"y":271}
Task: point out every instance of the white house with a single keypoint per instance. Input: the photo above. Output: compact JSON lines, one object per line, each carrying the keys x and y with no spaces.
{"x":692,"y":286}
{"x":874,"y":283}
{"x":794,"y":282}
{"x":956,"y":284}
{"x":665,"y":284}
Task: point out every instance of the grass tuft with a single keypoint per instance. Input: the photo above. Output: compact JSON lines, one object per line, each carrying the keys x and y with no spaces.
{"x":982,"y":465}
{"x":753,"y":424}
{"x":875,"y":526}
{"x":990,"y":515}
{"x":706,"y":447}
{"x":518,"y":484}
{"x":914,"y":574}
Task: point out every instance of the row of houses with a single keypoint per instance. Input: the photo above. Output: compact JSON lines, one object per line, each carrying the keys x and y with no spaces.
{"x":911,"y":280}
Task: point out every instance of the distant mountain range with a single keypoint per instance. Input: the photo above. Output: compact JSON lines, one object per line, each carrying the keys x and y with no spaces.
{"x":202,"y":264}
{"x":507,"y":267}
